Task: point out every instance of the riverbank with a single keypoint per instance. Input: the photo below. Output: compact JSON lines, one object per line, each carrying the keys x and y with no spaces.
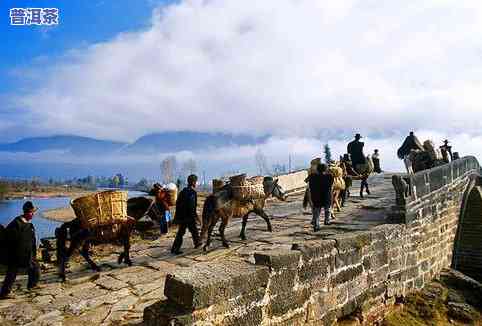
{"x":47,"y":192}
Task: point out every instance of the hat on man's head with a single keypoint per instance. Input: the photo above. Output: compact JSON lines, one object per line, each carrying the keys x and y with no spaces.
{"x":446,"y":141}
{"x":29,"y":207}
{"x":358,"y":136}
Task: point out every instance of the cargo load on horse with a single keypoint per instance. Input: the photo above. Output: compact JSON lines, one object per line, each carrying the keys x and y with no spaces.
{"x":105,"y":217}
{"x":246,"y":189}
{"x":100,"y":209}
{"x":234,"y":200}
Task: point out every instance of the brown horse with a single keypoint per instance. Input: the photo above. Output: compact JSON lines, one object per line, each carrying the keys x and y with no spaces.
{"x":221,"y":205}
{"x":83,"y":238}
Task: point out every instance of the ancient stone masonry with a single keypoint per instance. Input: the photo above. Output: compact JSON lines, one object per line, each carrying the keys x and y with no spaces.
{"x":468,"y":245}
{"x":321,"y":280}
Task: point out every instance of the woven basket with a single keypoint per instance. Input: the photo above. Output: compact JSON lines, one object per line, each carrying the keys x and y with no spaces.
{"x":238,"y":180}
{"x":246,"y":189}
{"x":103,"y":208}
{"x":217,"y":184}
{"x":172,"y":197}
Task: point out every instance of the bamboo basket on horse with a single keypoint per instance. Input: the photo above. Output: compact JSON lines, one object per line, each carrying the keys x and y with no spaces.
{"x":238,"y":198}
{"x":100,"y":218}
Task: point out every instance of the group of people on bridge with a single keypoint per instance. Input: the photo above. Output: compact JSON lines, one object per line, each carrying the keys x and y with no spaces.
{"x":18,"y":248}
{"x":322,"y":185}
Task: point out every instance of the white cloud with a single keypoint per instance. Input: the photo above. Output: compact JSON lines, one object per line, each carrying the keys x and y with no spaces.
{"x":218,"y":161}
{"x":288,"y":68}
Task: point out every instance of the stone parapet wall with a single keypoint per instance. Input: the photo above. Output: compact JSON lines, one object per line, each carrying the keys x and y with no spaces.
{"x":426,"y":182}
{"x":315,"y":283}
{"x":293,"y":181}
{"x":319,"y":282}
{"x":468,"y":244}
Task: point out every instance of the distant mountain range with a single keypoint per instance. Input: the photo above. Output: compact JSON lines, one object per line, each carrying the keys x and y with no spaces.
{"x":76,"y":146}
{"x":73,"y":144}
{"x":167,"y":142}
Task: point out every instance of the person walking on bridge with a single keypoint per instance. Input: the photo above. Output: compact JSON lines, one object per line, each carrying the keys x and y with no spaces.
{"x":21,"y":250}
{"x":446,"y":151}
{"x":186,"y":215}
{"x":376,"y":161}
{"x":321,"y":185}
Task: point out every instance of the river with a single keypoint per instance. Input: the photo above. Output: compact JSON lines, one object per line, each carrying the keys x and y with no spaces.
{"x":9,"y":209}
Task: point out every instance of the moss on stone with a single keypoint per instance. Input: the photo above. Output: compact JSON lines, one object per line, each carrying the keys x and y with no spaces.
{"x":432,"y":306}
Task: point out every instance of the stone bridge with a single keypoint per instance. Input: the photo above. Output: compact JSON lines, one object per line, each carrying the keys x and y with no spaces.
{"x":377,"y":250}
{"x":360,"y":265}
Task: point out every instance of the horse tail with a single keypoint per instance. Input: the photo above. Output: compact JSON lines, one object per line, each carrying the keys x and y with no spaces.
{"x":207,"y":215}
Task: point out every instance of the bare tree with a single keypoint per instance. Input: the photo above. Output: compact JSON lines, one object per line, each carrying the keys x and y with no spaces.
{"x":261,"y":162}
{"x":168,"y":169}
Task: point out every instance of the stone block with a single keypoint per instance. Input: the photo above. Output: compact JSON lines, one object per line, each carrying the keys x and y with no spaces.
{"x":352,"y":240}
{"x":277,"y":258}
{"x":320,"y":304}
{"x":347,"y":258}
{"x":315,"y":249}
{"x":346,"y":275}
{"x":251,"y":317}
{"x":378,"y":276}
{"x":205,"y":284}
{"x":164,"y":313}
{"x":282,"y":281}
{"x":110,"y":283}
{"x":316,"y":272}
{"x":281,"y":303}
{"x":375,"y":261}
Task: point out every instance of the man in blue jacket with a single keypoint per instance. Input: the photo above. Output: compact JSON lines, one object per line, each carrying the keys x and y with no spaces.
{"x":186,"y":215}
{"x":22,"y":250}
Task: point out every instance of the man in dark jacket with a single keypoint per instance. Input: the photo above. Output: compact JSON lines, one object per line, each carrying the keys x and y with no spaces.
{"x":410,"y":143}
{"x":186,"y":215}
{"x":321,"y":185}
{"x":22,"y":250}
{"x":355,"y":149}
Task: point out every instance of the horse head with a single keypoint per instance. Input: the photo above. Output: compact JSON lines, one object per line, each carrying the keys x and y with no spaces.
{"x":272,"y":188}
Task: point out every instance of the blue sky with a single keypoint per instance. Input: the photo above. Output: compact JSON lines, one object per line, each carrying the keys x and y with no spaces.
{"x":288,"y":68}
{"x":82,"y":22}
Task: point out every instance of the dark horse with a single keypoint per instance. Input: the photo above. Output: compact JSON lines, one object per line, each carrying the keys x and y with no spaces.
{"x":222,"y":205}
{"x":83,"y":238}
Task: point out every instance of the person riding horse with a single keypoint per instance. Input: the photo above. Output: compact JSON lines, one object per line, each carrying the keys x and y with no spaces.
{"x":359,"y":161}
{"x":355,"y":149}
{"x":410,"y":143}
